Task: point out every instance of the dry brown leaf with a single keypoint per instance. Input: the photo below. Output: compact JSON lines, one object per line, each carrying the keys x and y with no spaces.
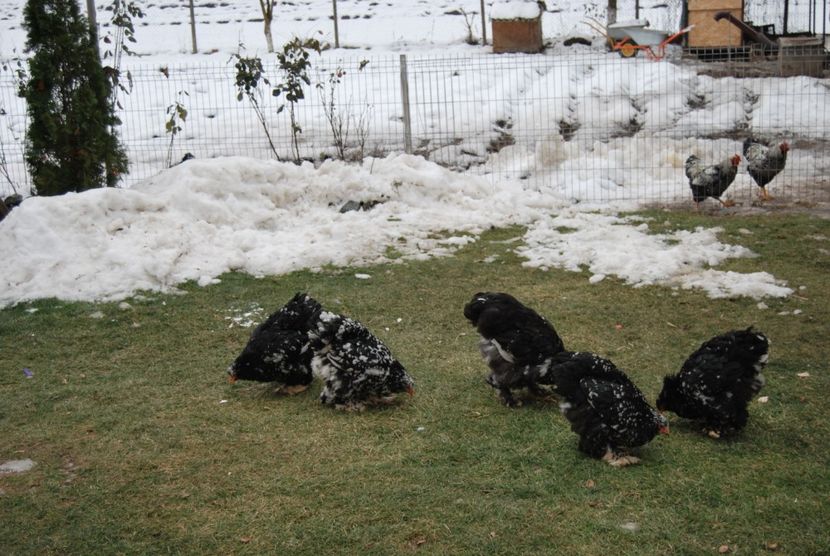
{"x":803,"y":375}
{"x":416,"y":542}
{"x":724,"y":549}
{"x":492,"y":534}
{"x":771,"y":546}
{"x":590,"y":483}
{"x":245,"y":540}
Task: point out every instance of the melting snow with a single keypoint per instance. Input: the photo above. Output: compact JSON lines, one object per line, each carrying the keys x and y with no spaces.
{"x":201,"y":219}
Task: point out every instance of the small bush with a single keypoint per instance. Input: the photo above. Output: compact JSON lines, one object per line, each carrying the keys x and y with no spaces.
{"x":71,"y":143}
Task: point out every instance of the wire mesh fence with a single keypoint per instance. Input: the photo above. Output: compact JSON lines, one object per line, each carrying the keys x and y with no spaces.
{"x":589,"y":125}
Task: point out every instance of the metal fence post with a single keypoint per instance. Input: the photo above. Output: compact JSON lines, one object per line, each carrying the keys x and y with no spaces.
{"x":336,"y":31}
{"x":483,"y":26}
{"x":193,"y":27}
{"x":407,"y":122}
{"x":93,"y":25}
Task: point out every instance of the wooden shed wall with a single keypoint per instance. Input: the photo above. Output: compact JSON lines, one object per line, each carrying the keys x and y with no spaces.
{"x":707,"y":31}
{"x":517,"y":35}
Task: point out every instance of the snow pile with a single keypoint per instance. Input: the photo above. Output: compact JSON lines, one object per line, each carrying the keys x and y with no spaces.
{"x":206,"y":217}
{"x":515,"y":9}
{"x":623,"y":247}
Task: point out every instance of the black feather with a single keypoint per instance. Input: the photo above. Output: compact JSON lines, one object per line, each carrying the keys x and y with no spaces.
{"x":606,"y":409}
{"x":709,"y":181}
{"x":764,"y":161}
{"x":717,"y":381}
{"x":515,"y":341}
{"x":278,"y":349}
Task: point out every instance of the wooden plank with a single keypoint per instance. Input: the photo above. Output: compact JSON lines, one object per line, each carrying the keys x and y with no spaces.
{"x":716,"y":5}
{"x":708,"y":32}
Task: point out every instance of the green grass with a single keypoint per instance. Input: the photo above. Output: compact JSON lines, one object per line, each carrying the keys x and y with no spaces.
{"x":135,"y":453}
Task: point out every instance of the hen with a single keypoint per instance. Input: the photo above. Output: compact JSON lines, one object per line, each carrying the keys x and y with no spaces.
{"x":515,"y":341}
{"x":278,"y":349}
{"x":711,"y":181}
{"x":764,"y":163}
{"x":356,"y":367}
{"x":717,"y":381}
{"x":606,"y":409}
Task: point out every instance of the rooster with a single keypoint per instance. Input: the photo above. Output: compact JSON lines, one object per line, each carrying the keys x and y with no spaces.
{"x":717,"y":381}
{"x":765,"y":163}
{"x":515,"y":342}
{"x":711,"y":181}
{"x":278,"y":350}
{"x":606,"y":409}
{"x":356,"y":367}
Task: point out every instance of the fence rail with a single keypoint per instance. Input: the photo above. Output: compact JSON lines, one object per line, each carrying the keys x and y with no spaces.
{"x":588,"y":124}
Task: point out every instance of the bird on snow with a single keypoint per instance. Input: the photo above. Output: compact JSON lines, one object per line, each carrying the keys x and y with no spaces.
{"x":717,"y":381}
{"x":713,"y":180}
{"x":515,"y":342}
{"x":606,"y":409}
{"x":765,"y":162}
{"x":278,"y":350}
{"x":357,"y":369}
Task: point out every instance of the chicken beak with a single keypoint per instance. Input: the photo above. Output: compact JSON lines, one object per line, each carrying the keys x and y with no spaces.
{"x":664,"y":429}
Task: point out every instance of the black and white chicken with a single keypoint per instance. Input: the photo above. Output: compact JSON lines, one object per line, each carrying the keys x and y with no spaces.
{"x":717,"y":382}
{"x":606,"y":409}
{"x":357,"y":369}
{"x":764,"y":163}
{"x":515,"y":342}
{"x":711,"y":181}
{"x":278,"y":350}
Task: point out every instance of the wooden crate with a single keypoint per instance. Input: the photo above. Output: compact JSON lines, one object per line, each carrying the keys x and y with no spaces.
{"x":517,"y":35}
{"x":710,"y":33}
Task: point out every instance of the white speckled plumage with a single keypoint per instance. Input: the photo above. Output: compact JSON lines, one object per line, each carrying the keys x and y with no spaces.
{"x":355,"y":366}
{"x":606,"y":409}
{"x":717,"y":381}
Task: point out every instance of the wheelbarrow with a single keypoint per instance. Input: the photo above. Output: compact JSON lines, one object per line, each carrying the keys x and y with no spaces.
{"x":628,"y":38}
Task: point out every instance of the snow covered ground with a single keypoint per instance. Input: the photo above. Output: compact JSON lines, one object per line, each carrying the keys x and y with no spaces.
{"x":206,"y":217}
{"x":219,"y":213}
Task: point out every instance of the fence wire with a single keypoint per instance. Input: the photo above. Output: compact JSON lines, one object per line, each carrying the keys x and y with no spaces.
{"x":588,"y":125}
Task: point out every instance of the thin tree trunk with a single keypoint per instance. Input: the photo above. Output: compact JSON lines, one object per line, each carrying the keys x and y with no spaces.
{"x":267,"y":7}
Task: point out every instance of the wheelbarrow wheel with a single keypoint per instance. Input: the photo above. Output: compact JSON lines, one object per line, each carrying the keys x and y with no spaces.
{"x":628,"y":49}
